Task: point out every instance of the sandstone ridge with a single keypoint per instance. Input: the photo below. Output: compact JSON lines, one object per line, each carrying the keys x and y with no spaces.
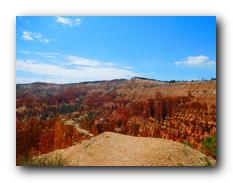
{"x":112,"y":149}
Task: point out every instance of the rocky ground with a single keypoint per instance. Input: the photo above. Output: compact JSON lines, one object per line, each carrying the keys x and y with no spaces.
{"x":112,"y":149}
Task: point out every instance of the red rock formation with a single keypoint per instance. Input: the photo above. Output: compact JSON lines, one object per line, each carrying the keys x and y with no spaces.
{"x":179,"y":111}
{"x":36,"y":137}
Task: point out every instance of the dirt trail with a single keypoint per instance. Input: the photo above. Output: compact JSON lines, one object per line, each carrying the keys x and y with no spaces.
{"x":112,"y":149}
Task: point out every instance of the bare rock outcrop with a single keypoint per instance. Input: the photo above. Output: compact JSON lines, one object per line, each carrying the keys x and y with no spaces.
{"x":112,"y":149}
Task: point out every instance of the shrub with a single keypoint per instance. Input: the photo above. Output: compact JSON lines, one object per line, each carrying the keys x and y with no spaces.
{"x":65,"y":108}
{"x":209,"y":146}
{"x":91,"y":115}
{"x":187,"y":143}
{"x":56,"y":160}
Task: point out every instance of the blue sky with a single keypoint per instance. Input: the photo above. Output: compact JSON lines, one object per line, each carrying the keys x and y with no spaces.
{"x":60,"y":49}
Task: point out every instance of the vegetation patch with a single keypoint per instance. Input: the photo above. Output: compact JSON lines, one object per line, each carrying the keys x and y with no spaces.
{"x":187,"y":143}
{"x":55,"y":160}
{"x":209,"y":146}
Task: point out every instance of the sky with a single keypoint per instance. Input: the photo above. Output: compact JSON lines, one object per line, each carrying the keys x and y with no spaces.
{"x":72,"y":49}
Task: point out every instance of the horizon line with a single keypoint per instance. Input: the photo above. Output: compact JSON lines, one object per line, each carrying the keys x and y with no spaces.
{"x":135,"y":77}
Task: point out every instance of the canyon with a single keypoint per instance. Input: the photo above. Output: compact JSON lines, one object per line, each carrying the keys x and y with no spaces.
{"x":50,"y":117}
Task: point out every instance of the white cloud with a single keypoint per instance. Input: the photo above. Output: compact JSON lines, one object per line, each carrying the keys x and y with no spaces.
{"x":81,"y":61}
{"x":24,"y":52}
{"x":27,"y":36}
{"x":110,"y":64}
{"x":74,"y":60}
{"x":47,"y":54}
{"x":196,"y":61}
{"x":23,"y":80}
{"x":68,"y":21}
{"x":44,"y":54}
{"x":128,"y":67}
{"x":62,"y":74}
{"x":50,"y":56}
{"x":32,"y":36}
